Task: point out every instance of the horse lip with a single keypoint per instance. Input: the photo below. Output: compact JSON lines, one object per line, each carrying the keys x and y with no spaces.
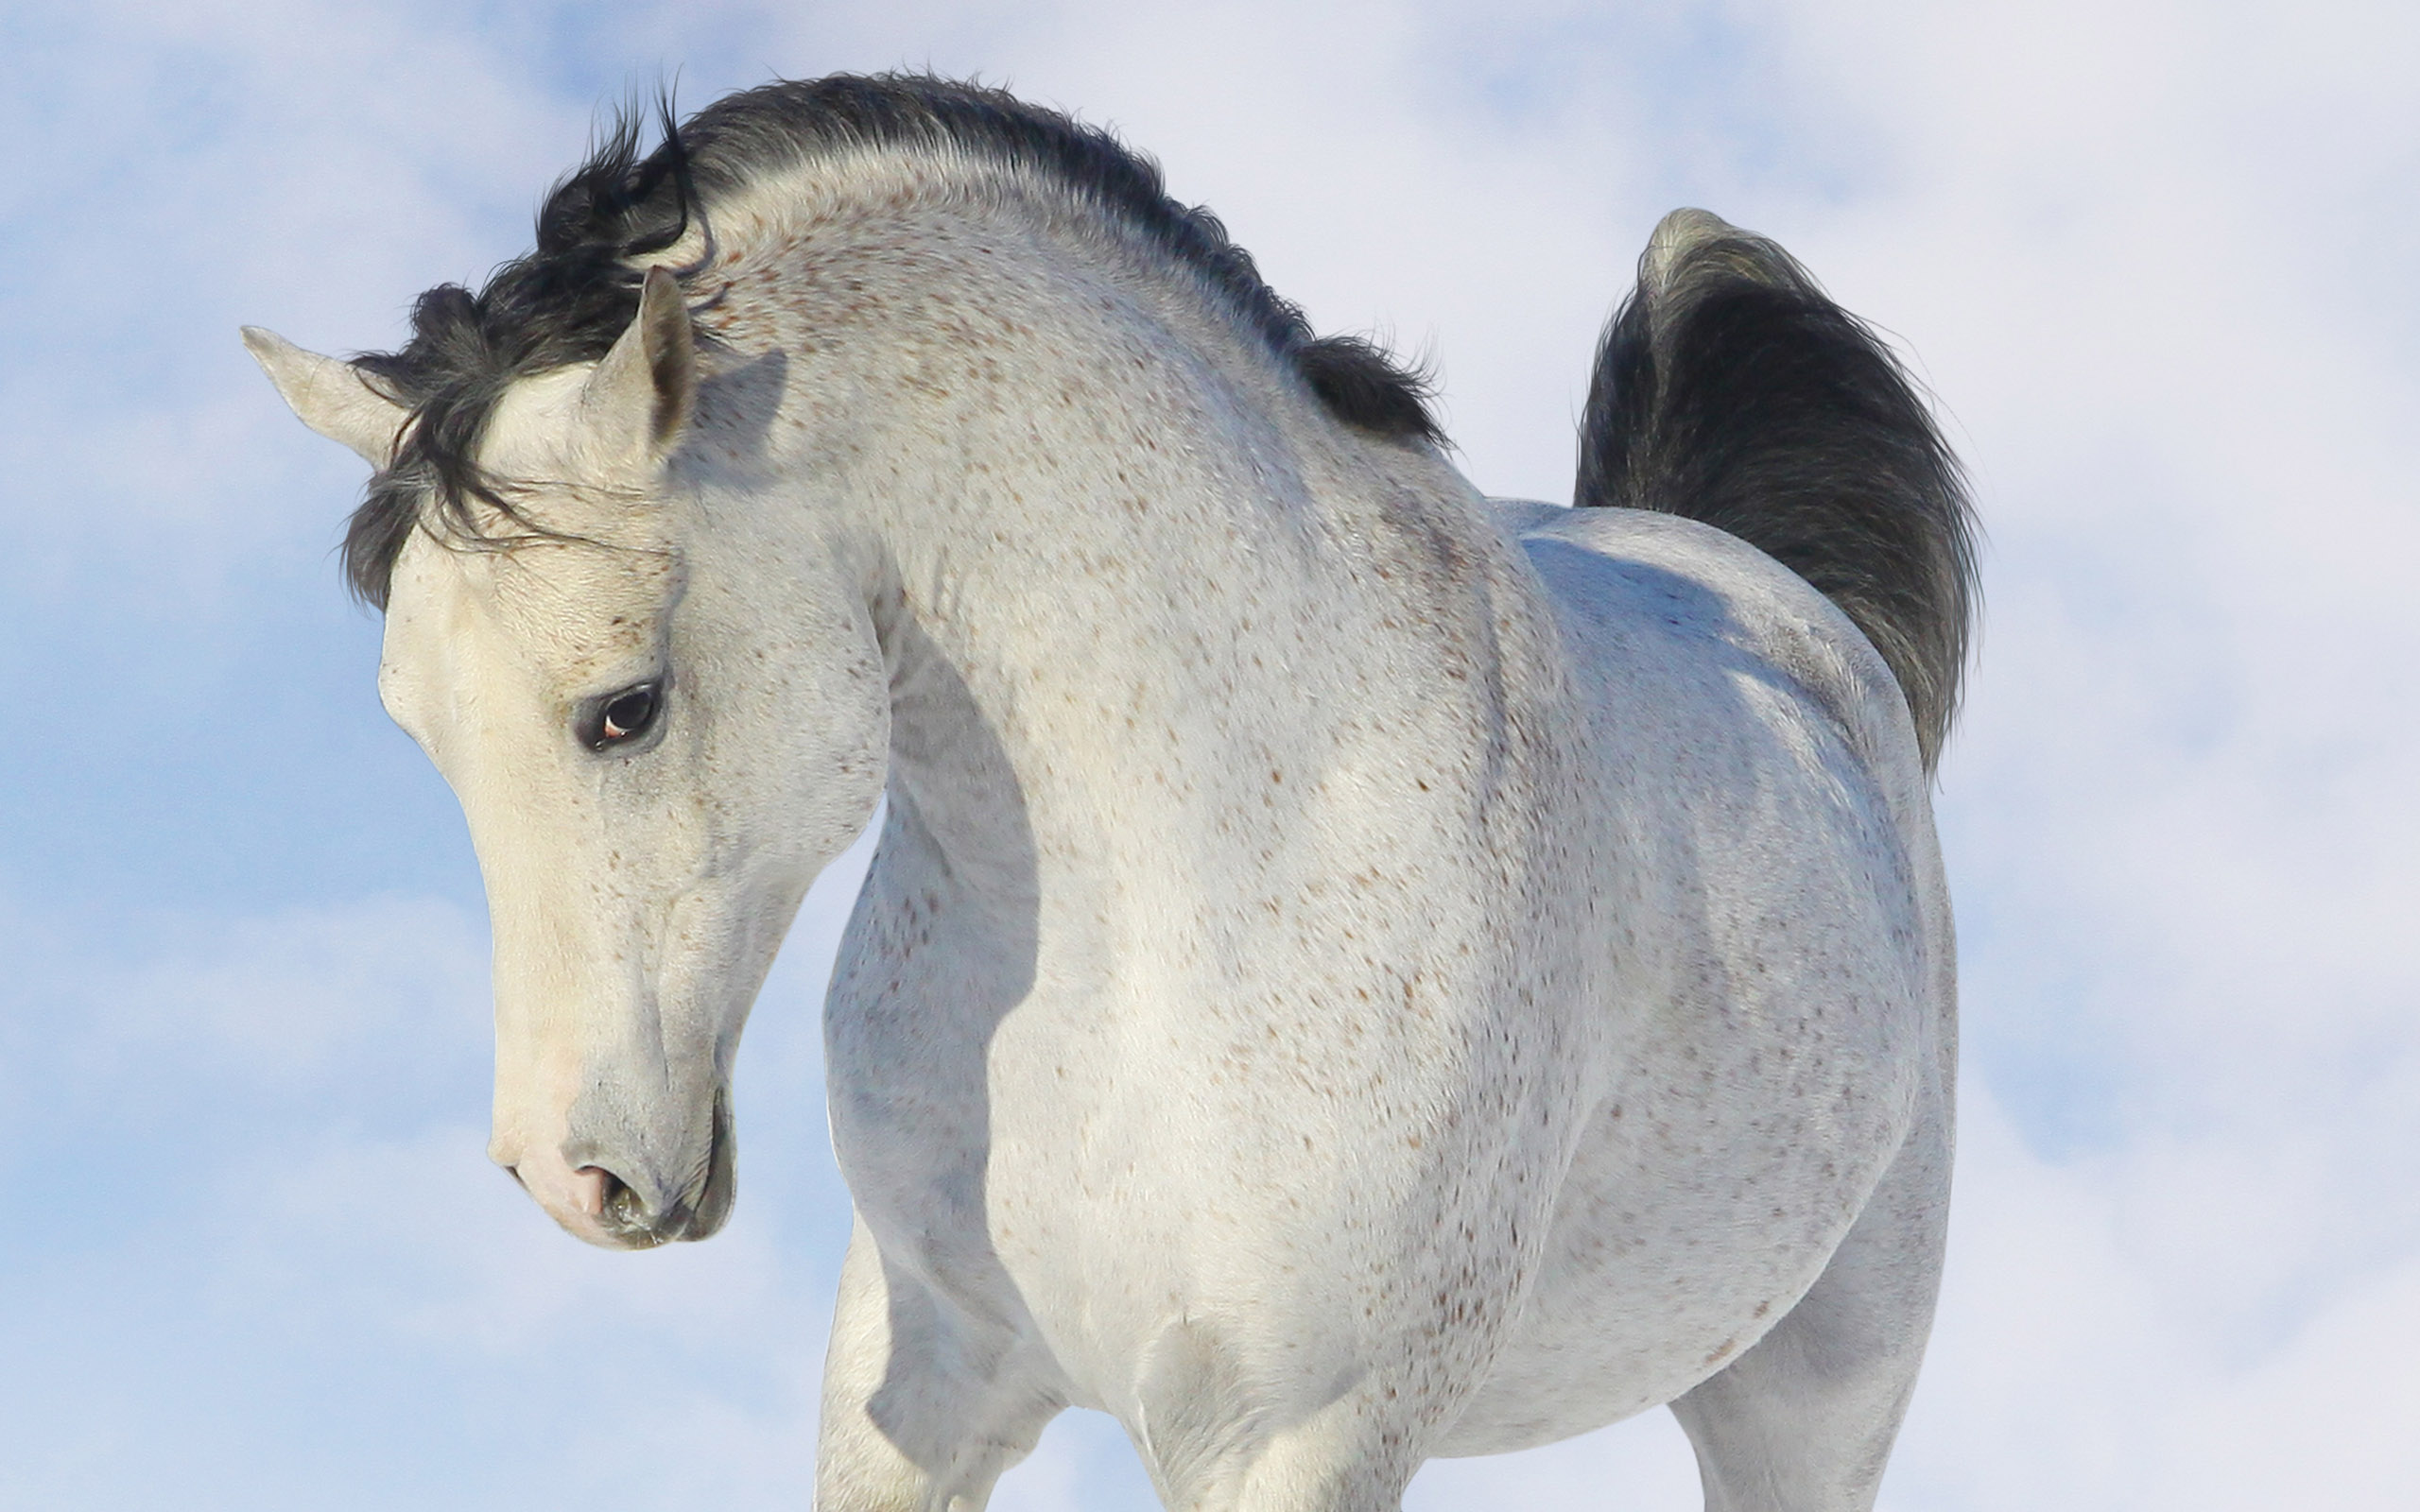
{"x":708,"y":1206}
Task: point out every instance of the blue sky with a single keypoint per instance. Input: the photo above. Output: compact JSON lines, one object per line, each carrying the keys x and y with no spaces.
{"x":2155,"y":259}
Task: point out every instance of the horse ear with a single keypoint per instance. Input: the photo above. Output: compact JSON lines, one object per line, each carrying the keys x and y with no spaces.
{"x":331,"y":397}
{"x":646,"y":389}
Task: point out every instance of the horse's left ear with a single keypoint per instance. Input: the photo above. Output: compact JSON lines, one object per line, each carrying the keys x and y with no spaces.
{"x":641,"y":395}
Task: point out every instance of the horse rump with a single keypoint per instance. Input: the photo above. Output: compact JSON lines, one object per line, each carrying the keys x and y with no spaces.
{"x":1731,"y":390}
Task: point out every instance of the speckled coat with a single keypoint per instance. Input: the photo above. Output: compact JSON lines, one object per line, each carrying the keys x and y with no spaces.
{"x":1350,"y":972}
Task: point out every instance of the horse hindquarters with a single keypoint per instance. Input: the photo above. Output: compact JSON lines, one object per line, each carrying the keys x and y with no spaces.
{"x":1730,"y":389}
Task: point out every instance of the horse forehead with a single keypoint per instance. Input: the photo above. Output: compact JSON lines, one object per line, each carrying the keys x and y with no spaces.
{"x":590,"y":559}
{"x":534,"y":431}
{"x":562,"y":611}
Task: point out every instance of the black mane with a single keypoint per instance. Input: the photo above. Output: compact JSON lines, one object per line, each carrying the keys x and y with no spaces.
{"x":569,"y":298}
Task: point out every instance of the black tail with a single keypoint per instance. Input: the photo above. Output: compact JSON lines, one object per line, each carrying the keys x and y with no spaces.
{"x":1730,"y":389}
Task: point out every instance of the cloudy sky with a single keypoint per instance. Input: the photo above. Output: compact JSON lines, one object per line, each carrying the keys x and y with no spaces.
{"x":2156,"y":259}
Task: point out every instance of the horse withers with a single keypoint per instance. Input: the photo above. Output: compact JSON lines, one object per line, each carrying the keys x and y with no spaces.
{"x":1350,"y":972}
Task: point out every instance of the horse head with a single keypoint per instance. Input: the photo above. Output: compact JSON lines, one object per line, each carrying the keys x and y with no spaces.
{"x":657,"y":733}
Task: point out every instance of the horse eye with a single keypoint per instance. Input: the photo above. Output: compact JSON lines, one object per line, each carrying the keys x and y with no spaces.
{"x":624,"y":716}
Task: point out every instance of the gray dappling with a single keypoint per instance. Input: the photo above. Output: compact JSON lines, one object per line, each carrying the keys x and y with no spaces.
{"x":567,"y":300}
{"x":1731,"y":390}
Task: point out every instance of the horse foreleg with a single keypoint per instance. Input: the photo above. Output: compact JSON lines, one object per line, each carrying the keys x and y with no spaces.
{"x":1330,"y":1466}
{"x":1215,"y":1440}
{"x":917,"y":1416}
{"x":1803,"y":1421}
{"x":1333,"y":1463}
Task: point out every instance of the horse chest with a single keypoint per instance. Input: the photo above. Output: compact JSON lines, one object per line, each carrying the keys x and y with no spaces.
{"x":1109,"y":1158}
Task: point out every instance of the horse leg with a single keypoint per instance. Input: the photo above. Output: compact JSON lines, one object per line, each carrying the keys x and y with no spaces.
{"x":1206,"y":1438}
{"x":1804,"y":1420}
{"x":918,"y":1416}
{"x":1333,"y":1463}
{"x":1318,"y":1469}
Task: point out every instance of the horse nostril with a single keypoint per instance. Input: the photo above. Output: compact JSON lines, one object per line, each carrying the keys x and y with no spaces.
{"x":615,"y":1201}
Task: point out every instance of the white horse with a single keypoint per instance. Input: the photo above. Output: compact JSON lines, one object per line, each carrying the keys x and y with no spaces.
{"x":1350,"y":974}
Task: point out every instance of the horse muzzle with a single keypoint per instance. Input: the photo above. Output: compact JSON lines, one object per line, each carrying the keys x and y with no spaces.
{"x":616,"y":1199}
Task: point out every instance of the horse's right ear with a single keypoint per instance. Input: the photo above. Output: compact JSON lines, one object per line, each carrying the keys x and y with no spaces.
{"x":641,"y":395}
{"x":331,"y":397}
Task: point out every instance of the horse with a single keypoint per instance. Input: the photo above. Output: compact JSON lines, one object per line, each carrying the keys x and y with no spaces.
{"x":1351,"y":972}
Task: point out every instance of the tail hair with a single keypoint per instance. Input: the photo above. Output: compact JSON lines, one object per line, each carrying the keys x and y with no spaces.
{"x":1731,"y":390}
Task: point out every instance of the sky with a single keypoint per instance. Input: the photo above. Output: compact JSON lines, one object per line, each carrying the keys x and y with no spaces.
{"x":2155,"y":261}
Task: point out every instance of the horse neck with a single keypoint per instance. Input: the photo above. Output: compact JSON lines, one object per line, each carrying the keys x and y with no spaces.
{"x":1125,"y":567}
